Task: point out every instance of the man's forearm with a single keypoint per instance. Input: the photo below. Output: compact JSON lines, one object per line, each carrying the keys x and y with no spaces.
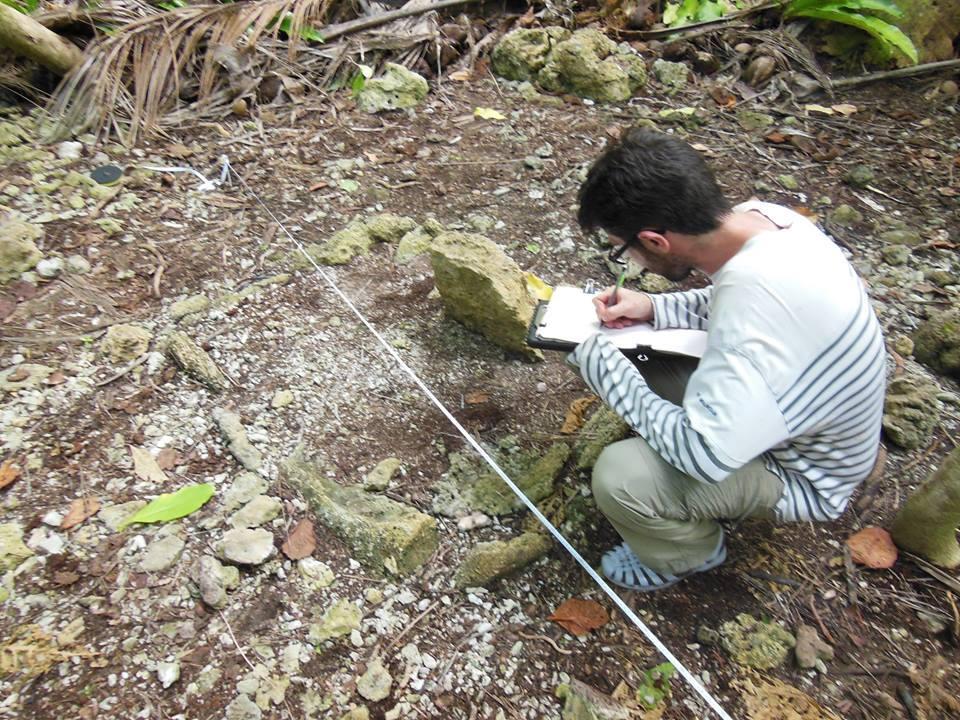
{"x":687,"y":310}
{"x":661,"y":423}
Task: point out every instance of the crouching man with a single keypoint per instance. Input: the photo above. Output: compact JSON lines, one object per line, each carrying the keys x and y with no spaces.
{"x":780,"y":418}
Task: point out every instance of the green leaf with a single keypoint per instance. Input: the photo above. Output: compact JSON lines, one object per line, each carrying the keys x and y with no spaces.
{"x":885,"y":7}
{"x":171,"y":506}
{"x":682,"y":13}
{"x":887,"y":34}
{"x":306,"y":32}
{"x":711,"y":10}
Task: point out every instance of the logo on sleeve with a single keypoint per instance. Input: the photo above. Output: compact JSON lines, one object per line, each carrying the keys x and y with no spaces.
{"x":706,"y":406}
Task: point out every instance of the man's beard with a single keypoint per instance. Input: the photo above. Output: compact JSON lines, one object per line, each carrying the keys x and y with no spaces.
{"x":674,"y":270}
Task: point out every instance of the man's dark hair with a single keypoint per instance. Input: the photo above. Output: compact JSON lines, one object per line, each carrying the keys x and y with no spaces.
{"x":650,"y":180}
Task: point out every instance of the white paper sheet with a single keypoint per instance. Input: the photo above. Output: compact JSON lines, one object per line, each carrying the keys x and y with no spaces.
{"x":571,"y":317}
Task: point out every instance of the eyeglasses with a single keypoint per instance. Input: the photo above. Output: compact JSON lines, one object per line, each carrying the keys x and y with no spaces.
{"x":616,"y":253}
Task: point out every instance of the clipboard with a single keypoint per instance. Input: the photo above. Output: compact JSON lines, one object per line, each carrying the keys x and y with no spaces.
{"x":564,"y":324}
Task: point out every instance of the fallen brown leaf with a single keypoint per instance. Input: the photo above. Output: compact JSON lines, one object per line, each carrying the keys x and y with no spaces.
{"x":18,"y":375}
{"x":65,"y":577}
{"x":318,"y":186}
{"x":873,"y":547}
{"x":580,"y":616}
{"x":460,"y":75}
{"x":56,"y":378}
{"x":301,"y":542}
{"x":477,"y":397}
{"x":79,"y":510}
{"x":145,"y":465}
{"x":179,"y":151}
{"x":167,"y":458}
{"x":8,"y":473}
{"x":576,"y":415}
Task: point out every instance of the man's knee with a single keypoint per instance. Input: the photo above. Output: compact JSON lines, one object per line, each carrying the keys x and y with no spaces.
{"x":623,"y":476}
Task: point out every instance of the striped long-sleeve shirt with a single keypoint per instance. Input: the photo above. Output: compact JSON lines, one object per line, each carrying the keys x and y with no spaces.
{"x":794,"y":371}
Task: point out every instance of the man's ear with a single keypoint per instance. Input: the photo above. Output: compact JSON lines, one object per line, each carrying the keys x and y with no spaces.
{"x":654,"y":242}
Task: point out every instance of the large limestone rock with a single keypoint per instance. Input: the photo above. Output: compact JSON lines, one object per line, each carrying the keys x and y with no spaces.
{"x":585,"y":63}
{"x":911,"y":411}
{"x":488,"y":561}
{"x":195,"y":362}
{"x":125,"y":343}
{"x":18,"y":248}
{"x":592,"y":66}
{"x":483,"y":288}
{"x":397,"y":89}
{"x":521,"y":54}
{"x":384,"y":534}
{"x":937,"y":342}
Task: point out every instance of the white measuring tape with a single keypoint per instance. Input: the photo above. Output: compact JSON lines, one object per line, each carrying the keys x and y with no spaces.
{"x":618,"y":601}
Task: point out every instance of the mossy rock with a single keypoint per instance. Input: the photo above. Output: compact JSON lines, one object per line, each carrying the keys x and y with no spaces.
{"x":489,"y":561}
{"x":492,"y":496}
{"x":469,"y":485}
{"x":603,"y":428}
{"x":397,"y":89}
{"x":755,"y":643}
{"x":521,"y":54}
{"x":911,"y":411}
{"x":18,"y":249}
{"x":592,"y":66}
{"x":937,"y":342}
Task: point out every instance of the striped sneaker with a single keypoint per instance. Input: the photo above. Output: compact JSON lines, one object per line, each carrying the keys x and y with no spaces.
{"x":623,"y":568}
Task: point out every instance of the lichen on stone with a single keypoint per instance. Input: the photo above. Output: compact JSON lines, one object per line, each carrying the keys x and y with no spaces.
{"x":470,"y":486}
{"x":341,"y":618}
{"x":18,"y":249}
{"x":603,"y":428}
{"x":756,"y":643}
{"x":911,"y":411}
{"x":937,"y":342}
{"x":488,"y":561}
{"x":397,"y":89}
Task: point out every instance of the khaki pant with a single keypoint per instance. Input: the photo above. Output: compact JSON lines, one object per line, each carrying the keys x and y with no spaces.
{"x":667,"y":518}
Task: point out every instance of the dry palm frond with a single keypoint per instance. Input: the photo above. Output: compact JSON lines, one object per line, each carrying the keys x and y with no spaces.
{"x":132,"y":80}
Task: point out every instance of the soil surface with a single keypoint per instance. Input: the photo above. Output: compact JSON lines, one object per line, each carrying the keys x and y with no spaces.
{"x":485,"y":653}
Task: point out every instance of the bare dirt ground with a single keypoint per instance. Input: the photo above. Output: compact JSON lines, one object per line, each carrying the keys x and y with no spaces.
{"x":480,"y":654}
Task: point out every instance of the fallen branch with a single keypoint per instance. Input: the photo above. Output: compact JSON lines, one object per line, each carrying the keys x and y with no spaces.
{"x":365,"y":23}
{"x":25,"y":36}
{"x":894,"y":74}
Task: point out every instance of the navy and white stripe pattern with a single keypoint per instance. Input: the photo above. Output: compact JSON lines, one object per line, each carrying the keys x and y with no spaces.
{"x":832,"y":411}
{"x":689,"y":310}
{"x":612,"y":376}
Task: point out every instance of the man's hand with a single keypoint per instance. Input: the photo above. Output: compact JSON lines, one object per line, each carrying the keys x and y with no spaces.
{"x":631,"y":308}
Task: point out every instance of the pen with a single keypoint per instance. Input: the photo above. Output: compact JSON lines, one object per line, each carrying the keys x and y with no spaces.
{"x":613,"y":296}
